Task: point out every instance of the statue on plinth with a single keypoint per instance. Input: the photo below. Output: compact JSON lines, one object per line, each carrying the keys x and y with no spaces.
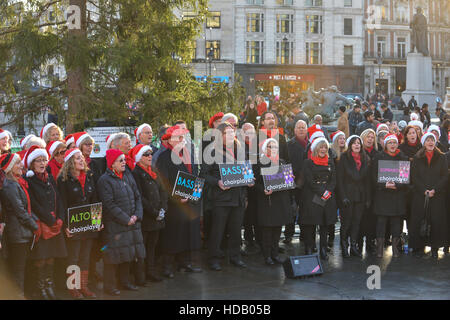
{"x":419,"y":33}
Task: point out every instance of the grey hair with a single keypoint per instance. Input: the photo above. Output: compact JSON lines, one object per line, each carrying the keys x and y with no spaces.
{"x":117,"y":138}
{"x":227,"y":116}
{"x":301,"y":121}
{"x":35,"y":141}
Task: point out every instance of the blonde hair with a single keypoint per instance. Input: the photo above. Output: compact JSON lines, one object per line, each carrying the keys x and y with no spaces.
{"x":69,"y":166}
{"x":337,"y":149}
{"x":366,"y":133}
{"x":315,"y":152}
{"x":9,"y":174}
{"x":47,"y":134}
{"x":62,"y":145}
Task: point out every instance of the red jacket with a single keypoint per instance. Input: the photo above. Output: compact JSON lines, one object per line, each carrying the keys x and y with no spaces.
{"x":261,"y":108}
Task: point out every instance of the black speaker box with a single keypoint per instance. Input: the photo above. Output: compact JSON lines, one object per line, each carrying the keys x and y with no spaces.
{"x":302,"y":266}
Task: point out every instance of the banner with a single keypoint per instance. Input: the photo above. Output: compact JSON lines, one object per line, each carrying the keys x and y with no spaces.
{"x":282,"y":180}
{"x":188,"y":186}
{"x":99,"y":134}
{"x":236,"y":175}
{"x":84,"y":218}
{"x":395,"y":171}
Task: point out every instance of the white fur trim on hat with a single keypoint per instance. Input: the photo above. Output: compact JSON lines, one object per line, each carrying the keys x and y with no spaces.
{"x":3,"y":134}
{"x":390,"y":137}
{"x":434,"y":127}
{"x":416,"y":123}
{"x":46,"y":127}
{"x":80,"y":139}
{"x":141,"y":152}
{"x":414,"y":116}
{"x":425,"y":137}
{"x":315,"y":135}
{"x":351,"y":137}
{"x":381,"y":126}
{"x":70,"y":141}
{"x":13,"y":161}
{"x":25,"y":140}
{"x":36,"y":154}
{"x":340,"y":133}
{"x":75,"y":151}
{"x":316,"y":142}
{"x":54,"y":146}
{"x":140,"y":128}
{"x":266,"y":143}
{"x":109,"y":140}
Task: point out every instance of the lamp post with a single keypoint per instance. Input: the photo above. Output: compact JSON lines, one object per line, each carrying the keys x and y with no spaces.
{"x":379,"y":62}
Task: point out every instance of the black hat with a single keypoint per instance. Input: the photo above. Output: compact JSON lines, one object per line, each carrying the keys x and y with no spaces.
{"x":343,"y":108}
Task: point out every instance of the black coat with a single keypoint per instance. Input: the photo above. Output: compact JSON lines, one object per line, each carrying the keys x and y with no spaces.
{"x":429,"y":177}
{"x":19,"y":223}
{"x":121,"y":200}
{"x":182,"y":230}
{"x":444,"y":138}
{"x":297,"y":155}
{"x":154,"y":198}
{"x":353,"y":185}
{"x":274,"y":210}
{"x":318,"y":179}
{"x":410,"y":151}
{"x":72,"y":195}
{"x":98,"y":167}
{"x":388,"y":202}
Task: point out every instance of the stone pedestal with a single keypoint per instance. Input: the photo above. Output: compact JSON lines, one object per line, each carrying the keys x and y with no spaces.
{"x":419,"y":81}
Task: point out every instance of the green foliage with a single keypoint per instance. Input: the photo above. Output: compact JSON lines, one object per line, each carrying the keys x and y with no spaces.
{"x":132,"y":51}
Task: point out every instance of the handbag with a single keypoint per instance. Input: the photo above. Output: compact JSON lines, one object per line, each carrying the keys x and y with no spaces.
{"x":425,"y":226}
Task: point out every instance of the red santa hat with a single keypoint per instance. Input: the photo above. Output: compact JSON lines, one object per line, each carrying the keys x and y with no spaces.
{"x":336,"y":135}
{"x":316,"y":141}
{"x":266,"y":143}
{"x":111,"y":156}
{"x":8,"y":160}
{"x":79,"y":137}
{"x":382,"y":127}
{"x":33,"y":153}
{"x":434,"y":127}
{"x":109,"y":139}
{"x":71,"y":152}
{"x":214,"y":118}
{"x":46,"y":127}
{"x":390,"y":137}
{"x":315,"y":132}
{"x":426,"y":136}
{"x":137,"y":152}
{"x":51,"y":147}
{"x":24,"y":140}
{"x":174,"y":131}
{"x":139,"y":129}
{"x":69,"y":139}
{"x":416,"y":123}
{"x":3,"y":133}
{"x":351,"y":137}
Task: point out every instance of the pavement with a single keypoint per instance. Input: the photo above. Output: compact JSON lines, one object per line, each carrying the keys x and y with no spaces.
{"x":403,"y":278}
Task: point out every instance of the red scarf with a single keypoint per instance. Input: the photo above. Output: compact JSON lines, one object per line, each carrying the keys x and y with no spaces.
{"x":357,"y":158}
{"x":303,"y":142}
{"x":369,"y":150}
{"x":130,"y":162}
{"x":320,"y":161}
{"x":185,"y":157}
{"x":55,"y":166}
{"x":22,"y":182}
{"x":88,"y":160}
{"x":119,"y":174}
{"x":148,"y":170}
{"x":393,"y":154}
{"x":429,"y":155}
{"x":272,"y":132}
{"x":82,"y":179}
{"x":413,"y":144}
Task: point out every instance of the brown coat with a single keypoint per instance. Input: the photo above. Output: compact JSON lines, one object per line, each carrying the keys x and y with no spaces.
{"x":343,"y":124}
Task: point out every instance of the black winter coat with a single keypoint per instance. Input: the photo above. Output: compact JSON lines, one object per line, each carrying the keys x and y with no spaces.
{"x":276,"y":209}
{"x":388,"y":202}
{"x":154,"y":198}
{"x":410,"y":151}
{"x":182,"y":222}
{"x":72,"y":195}
{"x":121,"y":200}
{"x":353,"y":185}
{"x":98,"y":167}
{"x":429,"y":177}
{"x":318,"y":179}
{"x":19,"y":223}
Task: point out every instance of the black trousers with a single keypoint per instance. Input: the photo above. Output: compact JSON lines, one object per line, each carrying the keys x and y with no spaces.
{"x":270,"y":238}
{"x":225,"y":220}
{"x":395,"y":224}
{"x":351,"y":220}
{"x":310,"y":235}
{"x":18,"y":254}
{"x":110,"y":272}
{"x":368,"y":225}
{"x":150,"y":241}
{"x":79,"y":253}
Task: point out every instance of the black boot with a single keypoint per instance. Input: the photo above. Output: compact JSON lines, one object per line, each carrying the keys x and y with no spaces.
{"x":49,"y":283}
{"x":370,"y":246}
{"x":354,"y":251}
{"x":41,"y":293}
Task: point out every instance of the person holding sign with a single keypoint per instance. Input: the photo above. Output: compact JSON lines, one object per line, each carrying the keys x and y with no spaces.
{"x":229,"y":202}
{"x":154,"y":203}
{"x":353,"y":177}
{"x":389,"y":198}
{"x":122,"y":213}
{"x":181,"y":234}
{"x":429,"y":176}
{"x":318,"y":198}
{"x":76,"y":187}
{"x":46,"y":204}
{"x":273,"y":208}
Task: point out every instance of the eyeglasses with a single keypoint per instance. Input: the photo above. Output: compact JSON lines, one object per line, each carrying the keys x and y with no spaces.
{"x":147,"y":154}
{"x":41,"y":160}
{"x":60,"y":153}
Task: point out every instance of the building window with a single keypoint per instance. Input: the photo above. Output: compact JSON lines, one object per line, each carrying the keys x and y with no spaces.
{"x":401,"y":13}
{"x":214,"y":20}
{"x":313,"y":53}
{"x":259,"y":2}
{"x":255,"y":51}
{"x":381,"y":46}
{"x":401,"y":48}
{"x":348,"y":27}
{"x":285,"y":2}
{"x":313,"y":3}
{"x":347,"y":3}
{"x":188,"y":15}
{"x":255,"y":22}
{"x":348,"y":55}
{"x":192,"y":50}
{"x":285,"y":52}
{"x":285,"y":23}
{"x":314,"y":24}
{"x":212,"y":50}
